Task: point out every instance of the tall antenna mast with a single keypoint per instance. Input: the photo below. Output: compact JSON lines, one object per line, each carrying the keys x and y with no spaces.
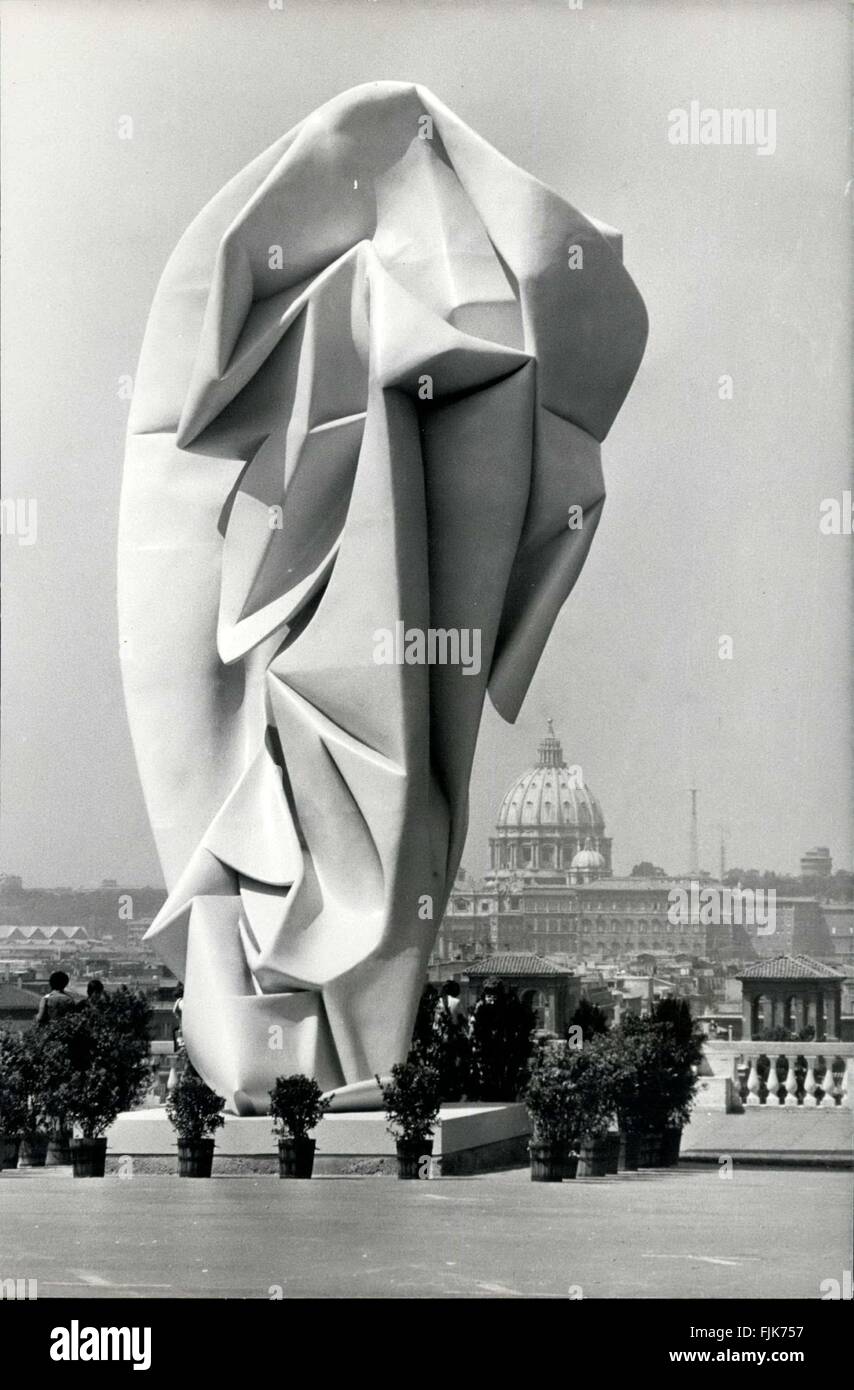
{"x":693,"y":844}
{"x":723,"y":855}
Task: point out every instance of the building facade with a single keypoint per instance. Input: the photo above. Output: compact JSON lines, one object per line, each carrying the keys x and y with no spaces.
{"x":550,"y":890}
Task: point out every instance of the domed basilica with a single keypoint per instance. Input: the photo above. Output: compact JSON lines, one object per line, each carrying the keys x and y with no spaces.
{"x":550,"y":888}
{"x":550,"y":824}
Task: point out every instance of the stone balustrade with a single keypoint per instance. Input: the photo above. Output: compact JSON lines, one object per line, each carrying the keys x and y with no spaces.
{"x":737,"y":1076}
{"x":794,"y":1076}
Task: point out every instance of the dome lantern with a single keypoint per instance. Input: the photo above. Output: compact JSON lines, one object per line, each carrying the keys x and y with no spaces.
{"x":550,"y":753}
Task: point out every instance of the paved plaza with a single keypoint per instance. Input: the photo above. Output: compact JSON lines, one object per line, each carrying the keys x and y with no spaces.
{"x":686,"y":1233}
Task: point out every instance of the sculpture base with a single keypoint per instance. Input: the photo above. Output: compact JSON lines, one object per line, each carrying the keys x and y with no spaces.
{"x":471,"y":1137}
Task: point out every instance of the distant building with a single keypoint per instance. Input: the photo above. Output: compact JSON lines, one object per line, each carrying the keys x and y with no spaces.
{"x":839,"y":918}
{"x":550,"y":888}
{"x":817,"y":863}
{"x":552,"y":991}
{"x":41,"y":936}
{"x":794,"y":993}
{"x":800,"y":928}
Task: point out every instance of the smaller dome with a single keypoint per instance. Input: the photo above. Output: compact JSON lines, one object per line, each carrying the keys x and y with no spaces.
{"x":588,"y":858}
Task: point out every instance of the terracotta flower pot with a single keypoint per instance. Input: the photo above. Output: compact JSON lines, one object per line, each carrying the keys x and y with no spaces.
{"x":296,"y":1158}
{"x":613,"y":1152}
{"x":89,"y":1157}
{"x":670,"y":1142}
{"x":195,"y":1158}
{"x":33,"y":1153}
{"x":630,"y":1145}
{"x":10,"y":1145}
{"x":649,"y":1155}
{"x":548,"y":1162}
{"x":593,"y":1159}
{"x":413,"y":1157}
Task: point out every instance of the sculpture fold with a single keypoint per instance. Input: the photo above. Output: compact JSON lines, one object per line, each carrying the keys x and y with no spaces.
{"x":375,"y":378}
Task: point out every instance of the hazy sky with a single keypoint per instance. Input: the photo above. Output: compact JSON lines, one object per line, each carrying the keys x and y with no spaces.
{"x":711,"y":523}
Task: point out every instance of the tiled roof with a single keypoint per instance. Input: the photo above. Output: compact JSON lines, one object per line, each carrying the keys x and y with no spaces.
{"x":516,"y":963}
{"x":790,"y":968}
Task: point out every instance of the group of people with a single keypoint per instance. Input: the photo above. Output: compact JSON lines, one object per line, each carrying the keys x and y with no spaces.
{"x":483,"y":1055}
{"x":58,"y":1001}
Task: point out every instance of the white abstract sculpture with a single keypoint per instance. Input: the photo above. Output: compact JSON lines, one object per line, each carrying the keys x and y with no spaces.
{"x":374,"y":381}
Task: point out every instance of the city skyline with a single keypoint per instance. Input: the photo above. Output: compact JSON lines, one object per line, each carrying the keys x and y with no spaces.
{"x":698,"y":539}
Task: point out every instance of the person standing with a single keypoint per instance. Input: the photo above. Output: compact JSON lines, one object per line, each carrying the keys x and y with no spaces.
{"x":56,"y":1002}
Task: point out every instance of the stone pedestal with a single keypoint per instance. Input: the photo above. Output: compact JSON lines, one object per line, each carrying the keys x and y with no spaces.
{"x":470,"y":1138}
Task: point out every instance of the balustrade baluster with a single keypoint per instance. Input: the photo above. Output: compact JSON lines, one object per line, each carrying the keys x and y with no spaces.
{"x":810,"y":1083}
{"x":772,"y":1083}
{"x":791,"y":1080}
{"x":828,"y":1085}
{"x":753,"y":1084}
{"x":847,"y":1086}
{"x":743,"y":1070}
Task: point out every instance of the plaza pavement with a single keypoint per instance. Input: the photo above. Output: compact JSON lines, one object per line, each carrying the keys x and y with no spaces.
{"x":681,"y":1233}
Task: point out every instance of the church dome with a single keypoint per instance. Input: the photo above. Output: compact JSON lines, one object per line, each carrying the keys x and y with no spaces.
{"x":553,"y":796}
{"x":588,"y":858}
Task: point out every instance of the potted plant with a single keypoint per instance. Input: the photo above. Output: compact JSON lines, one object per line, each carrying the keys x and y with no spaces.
{"x":682,"y":1051}
{"x":195,"y":1112}
{"x":596,"y":1074}
{"x":412,"y":1101}
{"x":552,"y":1100}
{"x":36,"y":1120}
{"x":51,"y":1094}
{"x":297,"y":1105}
{"x":95,"y":1063}
{"x":662,"y":1052}
{"x":13,"y":1098}
{"x":633,"y":1057}
{"x":59,"y":1146}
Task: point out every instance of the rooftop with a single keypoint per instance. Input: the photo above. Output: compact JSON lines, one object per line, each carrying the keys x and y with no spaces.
{"x":790,"y":968}
{"x":515,"y":963}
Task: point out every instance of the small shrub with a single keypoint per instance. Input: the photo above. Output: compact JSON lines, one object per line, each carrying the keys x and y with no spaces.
{"x":412,"y":1099}
{"x":13,"y":1086}
{"x":193,"y":1109}
{"x":590,"y":1019}
{"x":90,"y":1064}
{"x":297,"y":1106}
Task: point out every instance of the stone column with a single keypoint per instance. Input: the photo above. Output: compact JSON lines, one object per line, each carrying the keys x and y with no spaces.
{"x":748,"y":1000}
{"x":834,"y":1000}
